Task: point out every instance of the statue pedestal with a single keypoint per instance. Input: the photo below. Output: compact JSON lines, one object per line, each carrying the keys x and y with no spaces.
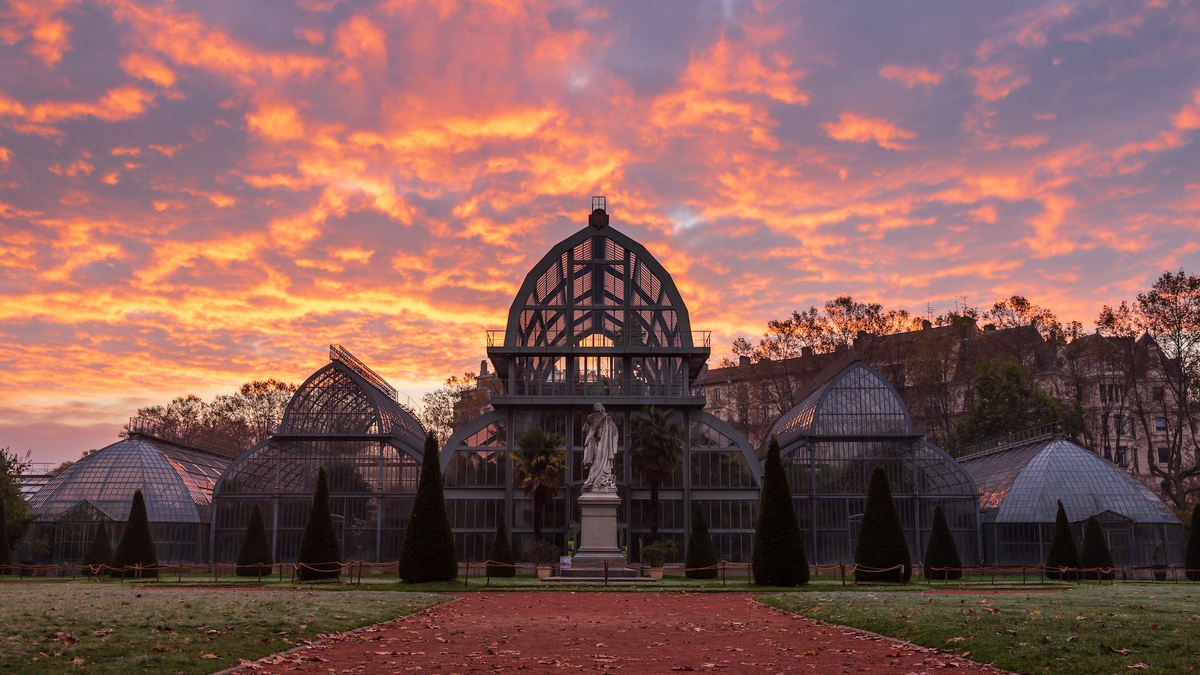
{"x":598,"y":537}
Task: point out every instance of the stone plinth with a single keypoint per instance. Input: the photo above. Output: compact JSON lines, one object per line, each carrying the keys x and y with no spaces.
{"x":598,"y":535}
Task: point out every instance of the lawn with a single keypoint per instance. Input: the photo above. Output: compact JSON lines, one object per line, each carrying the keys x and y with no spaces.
{"x":96,"y":628}
{"x":1084,"y":629}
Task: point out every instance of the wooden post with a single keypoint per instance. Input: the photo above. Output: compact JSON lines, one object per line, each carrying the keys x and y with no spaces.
{"x":842,"y":567}
{"x":467,"y":576}
{"x":606,"y":572}
{"x":723,"y":584}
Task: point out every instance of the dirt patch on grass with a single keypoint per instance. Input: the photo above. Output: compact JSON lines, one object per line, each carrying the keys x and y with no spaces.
{"x":656,"y":632}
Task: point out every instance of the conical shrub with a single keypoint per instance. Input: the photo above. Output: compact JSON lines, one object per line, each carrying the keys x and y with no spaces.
{"x":320,"y":556}
{"x":502,"y":553}
{"x":941,"y":554}
{"x":701,"y":554}
{"x":428,"y":550}
{"x":254,"y":558}
{"x":1095,"y":552}
{"x":778,"y":557}
{"x":137,"y":545}
{"x":881,"y":541}
{"x":1191,"y":555}
{"x":99,"y":552}
{"x":1062,"y":551}
{"x":5,"y":550}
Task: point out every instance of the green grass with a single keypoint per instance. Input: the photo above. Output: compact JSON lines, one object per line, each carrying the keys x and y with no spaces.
{"x":94,"y":628}
{"x":1082,"y":630}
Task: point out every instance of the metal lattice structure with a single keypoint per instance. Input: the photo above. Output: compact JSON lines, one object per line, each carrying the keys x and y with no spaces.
{"x":849,"y":423}
{"x":346,"y":419}
{"x":176,"y":482}
{"x":598,"y":319}
{"x":1020,"y":487}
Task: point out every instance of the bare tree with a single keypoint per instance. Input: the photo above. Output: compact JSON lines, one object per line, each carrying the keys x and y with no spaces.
{"x":1161,"y":352}
{"x":442,"y":411}
{"x":230,"y":424}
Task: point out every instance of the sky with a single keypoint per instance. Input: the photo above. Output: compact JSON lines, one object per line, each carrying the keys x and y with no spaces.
{"x":194,"y":194}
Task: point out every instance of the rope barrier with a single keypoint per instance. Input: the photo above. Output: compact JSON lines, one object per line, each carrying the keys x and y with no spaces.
{"x":13,"y":573}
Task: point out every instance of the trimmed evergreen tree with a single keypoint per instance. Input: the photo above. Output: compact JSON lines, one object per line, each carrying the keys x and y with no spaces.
{"x":100,"y":551}
{"x":137,"y":545}
{"x":428,"y":550}
{"x":1191,"y":555}
{"x":320,"y":556}
{"x":942,"y":552}
{"x":1062,"y":551}
{"x":5,"y":551}
{"x":502,"y":553}
{"x":254,"y":558}
{"x":778,"y":557}
{"x":881,"y":540}
{"x":700,"y":552}
{"x":1095,"y":551}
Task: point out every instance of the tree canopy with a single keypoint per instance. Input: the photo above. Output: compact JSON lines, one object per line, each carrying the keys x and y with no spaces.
{"x":1004,"y":400}
{"x":655,"y":449}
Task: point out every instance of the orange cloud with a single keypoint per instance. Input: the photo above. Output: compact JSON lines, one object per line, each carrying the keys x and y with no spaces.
{"x":864,"y":129}
{"x":37,"y":20}
{"x":148,"y":67}
{"x":911,"y":77}
{"x":996,"y":81}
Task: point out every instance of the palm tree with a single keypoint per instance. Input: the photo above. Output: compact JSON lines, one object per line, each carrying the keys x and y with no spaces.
{"x":655,"y":449}
{"x":538,"y":467}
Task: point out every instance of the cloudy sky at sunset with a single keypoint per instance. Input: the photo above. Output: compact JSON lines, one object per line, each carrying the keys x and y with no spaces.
{"x":198,"y":193}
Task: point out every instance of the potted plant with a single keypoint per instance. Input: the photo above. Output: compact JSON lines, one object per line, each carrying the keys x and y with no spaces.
{"x":545,"y":555}
{"x":653,"y":557}
{"x":1158,"y":563}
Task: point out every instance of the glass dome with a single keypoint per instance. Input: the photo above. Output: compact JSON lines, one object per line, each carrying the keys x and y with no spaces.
{"x":346,"y":419}
{"x":850,"y":422}
{"x":1019,"y":491}
{"x":176,"y":482}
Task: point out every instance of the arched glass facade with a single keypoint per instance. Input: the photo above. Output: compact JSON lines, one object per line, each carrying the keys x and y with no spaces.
{"x":598,"y":320}
{"x":176,"y":483}
{"x":832,"y":441}
{"x":344,"y":418}
{"x":1020,"y":487}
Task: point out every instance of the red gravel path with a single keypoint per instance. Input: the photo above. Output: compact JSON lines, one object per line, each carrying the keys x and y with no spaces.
{"x":539,"y":633}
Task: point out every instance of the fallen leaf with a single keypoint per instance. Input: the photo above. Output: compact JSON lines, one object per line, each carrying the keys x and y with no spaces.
{"x":209,"y":656}
{"x":1139,"y":664}
{"x":955,"y":639}
{"x":1122,"y":652}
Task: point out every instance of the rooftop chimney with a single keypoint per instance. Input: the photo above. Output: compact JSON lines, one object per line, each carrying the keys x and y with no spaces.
{"x":483,"y":371}
{"x":806,"y":352}
{"x":926,"y":324}
{"x":743,"y":361}
{"x":989,"y":327}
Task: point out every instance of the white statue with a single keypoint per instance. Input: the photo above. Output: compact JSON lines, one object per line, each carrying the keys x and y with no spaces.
{"x":599,"y":448}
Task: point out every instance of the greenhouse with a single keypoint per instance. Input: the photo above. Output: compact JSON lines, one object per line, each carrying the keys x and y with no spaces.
{"x":176,"y":482}
{"x":598,"y":320}
{"x":849,"y":421}
{"x":347,"y":419}
{"x":1020,"y":487}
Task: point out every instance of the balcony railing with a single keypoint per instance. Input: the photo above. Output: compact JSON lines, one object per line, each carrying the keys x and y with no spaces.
{"x":595,"y":388}
{"x":557,"y":338}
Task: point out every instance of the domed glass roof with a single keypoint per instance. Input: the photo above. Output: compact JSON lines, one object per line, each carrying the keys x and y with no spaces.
{"x":176,"y":482}
{"x":1025,"y":484}
{"x":598,"y":288}
{"x":857,"y":401}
